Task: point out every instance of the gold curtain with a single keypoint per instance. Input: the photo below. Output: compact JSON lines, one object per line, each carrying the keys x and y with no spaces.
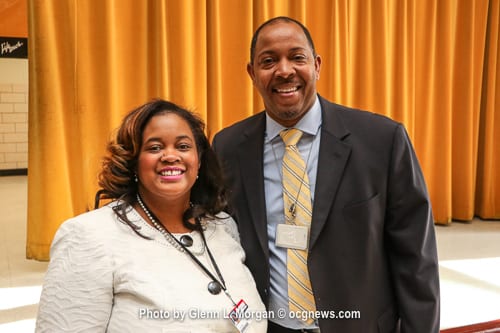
{"x":432,"y":65}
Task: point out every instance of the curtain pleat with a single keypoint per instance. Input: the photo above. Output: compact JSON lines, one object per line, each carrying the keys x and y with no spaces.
{"x":51,"y":145}
{"x":487,"y":199}
{"x":432,"y":65}
{"x":230,"y":93}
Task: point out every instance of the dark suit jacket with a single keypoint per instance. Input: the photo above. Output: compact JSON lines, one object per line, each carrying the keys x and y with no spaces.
{"x":372,"y":246}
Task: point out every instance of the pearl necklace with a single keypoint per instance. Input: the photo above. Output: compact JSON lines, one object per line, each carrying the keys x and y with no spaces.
{"x":185,"y":240}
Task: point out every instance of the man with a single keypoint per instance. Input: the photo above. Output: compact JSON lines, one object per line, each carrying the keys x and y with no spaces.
{"x":368,"y":249}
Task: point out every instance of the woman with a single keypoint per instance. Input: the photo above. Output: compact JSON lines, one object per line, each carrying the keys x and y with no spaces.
{"x":162,"y":256}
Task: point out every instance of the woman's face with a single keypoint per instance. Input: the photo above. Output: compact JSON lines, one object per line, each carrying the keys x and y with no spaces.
{"x":168,"y":162}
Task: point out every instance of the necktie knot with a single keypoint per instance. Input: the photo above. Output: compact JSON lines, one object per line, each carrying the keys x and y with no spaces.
{"x":291,"y":136}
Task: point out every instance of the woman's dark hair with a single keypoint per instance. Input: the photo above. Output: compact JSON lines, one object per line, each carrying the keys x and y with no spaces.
{"x":276,"y":20}
{"x":117,"y":177}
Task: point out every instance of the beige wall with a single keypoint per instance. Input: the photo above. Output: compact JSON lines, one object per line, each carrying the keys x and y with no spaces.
{"x":13,"y":114}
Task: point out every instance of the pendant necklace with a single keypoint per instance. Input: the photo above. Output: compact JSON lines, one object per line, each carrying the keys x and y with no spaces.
{"x":216,"y":285}
{"x":185,"y":240}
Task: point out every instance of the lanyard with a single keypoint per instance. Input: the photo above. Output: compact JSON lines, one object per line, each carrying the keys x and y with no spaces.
{"x":214,"y":286}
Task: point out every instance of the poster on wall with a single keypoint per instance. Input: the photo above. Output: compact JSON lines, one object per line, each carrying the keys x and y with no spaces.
{"x":13,"y":47}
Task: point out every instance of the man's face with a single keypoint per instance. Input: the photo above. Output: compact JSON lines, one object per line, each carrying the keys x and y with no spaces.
{"x":285,"y":71}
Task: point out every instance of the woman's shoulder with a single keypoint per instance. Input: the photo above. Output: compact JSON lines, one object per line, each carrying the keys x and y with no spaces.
{"x":225,"y":223}
{"x":95,"y":224}
{"x":223,"y":219}
{"x":89,"y":220}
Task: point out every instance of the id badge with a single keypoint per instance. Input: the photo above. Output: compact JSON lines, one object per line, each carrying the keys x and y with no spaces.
{"x":292,"y":236}
{"x":238,"y":316}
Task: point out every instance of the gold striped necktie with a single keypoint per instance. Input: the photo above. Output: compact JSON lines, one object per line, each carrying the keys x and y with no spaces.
{"x":298,"y":211}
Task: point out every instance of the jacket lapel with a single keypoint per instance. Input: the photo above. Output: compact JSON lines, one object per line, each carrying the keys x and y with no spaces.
{"x":251,"y":160}
{"x":333,"y":156}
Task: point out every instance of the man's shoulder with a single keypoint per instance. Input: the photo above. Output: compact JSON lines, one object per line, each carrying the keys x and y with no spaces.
{"x":248,"y":124}
{"x":356,"y":118}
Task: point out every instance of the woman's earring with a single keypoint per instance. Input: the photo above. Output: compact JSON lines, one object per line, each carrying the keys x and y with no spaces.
{"x":135,"y":178}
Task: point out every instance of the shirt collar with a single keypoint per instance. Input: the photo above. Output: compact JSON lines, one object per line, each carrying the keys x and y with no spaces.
{"x":310,"y":123}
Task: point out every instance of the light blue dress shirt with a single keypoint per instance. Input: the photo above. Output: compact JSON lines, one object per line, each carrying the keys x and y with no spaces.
{"x":274,"y":149}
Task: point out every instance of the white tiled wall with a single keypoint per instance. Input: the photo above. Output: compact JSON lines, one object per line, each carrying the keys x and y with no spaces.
{"x":13,"y":114}
{"x":13,"y":126}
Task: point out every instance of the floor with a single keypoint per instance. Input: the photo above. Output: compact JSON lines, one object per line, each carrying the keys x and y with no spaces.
{"x":20,"y":279}
{"x":469,"y":256}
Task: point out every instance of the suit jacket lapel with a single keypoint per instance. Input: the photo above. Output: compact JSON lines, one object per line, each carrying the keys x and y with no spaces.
{"x":333,"y":157}
{"x":251,"y":160}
